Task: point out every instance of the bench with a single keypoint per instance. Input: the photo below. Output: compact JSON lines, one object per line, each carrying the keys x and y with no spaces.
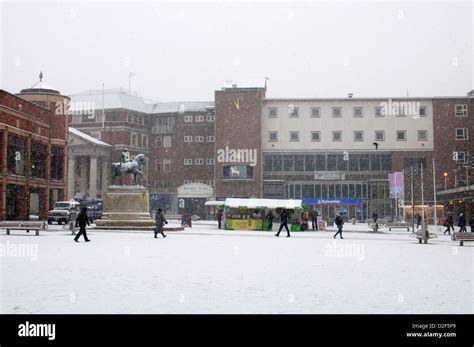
{"x":423,"y":236}
{"x":398,"y":225}
{"x":27,"y":225}
{"x":461,"y":237}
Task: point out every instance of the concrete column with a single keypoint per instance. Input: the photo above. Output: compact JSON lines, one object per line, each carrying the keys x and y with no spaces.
{"x":71,"y":179}
{"x":105,"y":175}
{"x":93,"y":178}
{"x":83,"y":174}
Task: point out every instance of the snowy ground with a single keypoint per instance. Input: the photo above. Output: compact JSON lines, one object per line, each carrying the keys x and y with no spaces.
{"x":204,"y":270}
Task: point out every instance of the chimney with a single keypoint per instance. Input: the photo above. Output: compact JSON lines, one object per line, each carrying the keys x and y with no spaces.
{"x":350,"y":95}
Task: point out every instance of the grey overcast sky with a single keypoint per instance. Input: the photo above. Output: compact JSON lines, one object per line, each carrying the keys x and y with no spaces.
{"x":184,"y":51}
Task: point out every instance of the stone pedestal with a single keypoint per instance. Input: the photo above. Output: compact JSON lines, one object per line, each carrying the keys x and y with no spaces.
{"x":126,"y":207}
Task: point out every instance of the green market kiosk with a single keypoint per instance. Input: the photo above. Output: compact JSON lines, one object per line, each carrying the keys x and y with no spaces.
{"x":249,"y":214}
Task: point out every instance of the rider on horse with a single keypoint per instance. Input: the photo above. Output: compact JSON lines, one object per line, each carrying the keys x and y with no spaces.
{"x":125,"y":157}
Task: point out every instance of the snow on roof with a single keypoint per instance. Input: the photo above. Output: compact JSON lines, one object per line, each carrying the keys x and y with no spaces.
{"x":267,"y":203}
{"x":245,"y":84}
{"x":120,"y":98}
{"x":214,"y":203}
{"x":88,"y":138}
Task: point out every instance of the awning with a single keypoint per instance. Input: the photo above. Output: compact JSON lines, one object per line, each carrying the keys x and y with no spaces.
{"x":263,"y":203}
{"x":329,"y":201}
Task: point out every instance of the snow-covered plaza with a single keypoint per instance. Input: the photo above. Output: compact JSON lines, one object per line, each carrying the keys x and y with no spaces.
{"x":206,"y":270}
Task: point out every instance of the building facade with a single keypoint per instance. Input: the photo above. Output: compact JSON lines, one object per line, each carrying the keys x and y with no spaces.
{"x":33,"y":156}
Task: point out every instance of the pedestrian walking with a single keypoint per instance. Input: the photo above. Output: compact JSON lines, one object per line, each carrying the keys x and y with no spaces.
{"x":339,"y":221}
{"x":160,"y":222}
{"x":314,"y":219}
{"x":418,"y":220}
{"x":462,"y":223}
{"x":471,"y":224}
{"x":269,"y":219}
{"x":284,"y":215}
{"x":219,"y":218}
{"x":449,"y":223}
{"x":82,"y":220}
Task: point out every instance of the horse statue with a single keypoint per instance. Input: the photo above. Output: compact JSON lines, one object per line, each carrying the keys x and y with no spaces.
{"x":131,"y":167}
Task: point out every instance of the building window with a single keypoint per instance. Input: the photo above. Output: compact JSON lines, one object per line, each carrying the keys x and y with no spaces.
{"x":315,"y":112}
{"x":422,"y":135}
{"x":16,"y":155}
{"x":166,"y":165}
{"x":461,"y":110}
{"x":379,"y":135}
{"x":57,"y":163}
{"x":129,"y":118}
{"x":294,"y":136}
{"x":198,"y":181}
{"x":210,"y":183}
{"x":134,"y":140}
{"x":188,"y":119}
{"x":210,"y":161}
{"x":358,"y":135}
{"x":337,"y":136}
{"x":272,"y":112}
{"x":294,"y":112}
{"x":379,"y":111}
{"x":158,"y":165}
{"x":158,"y":141}
{"x":167,"y":141}
{"x":423,"y":111}
{"x":188,"y":139}
{"x":315,"y":136}
{"x":144,"y":141}
{"x":210,"y":139}
{"x":211,"y":118}
{"x":462,"y":134}
{"x":273,"y":136}
{"x":199,"y":119}
{"x":401,"y":135}
{"x":358,"y":112}
{"x":188,"y":162}
{"x":199,"y":139}
{"x":38,"y":159}
{"x":337,"y":112}
{"x":461,"y":157}
{"x":198,"y":161}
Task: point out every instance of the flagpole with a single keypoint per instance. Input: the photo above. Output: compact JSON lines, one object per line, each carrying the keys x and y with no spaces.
{"x":422,"y":195}
{"x":103,"y":113}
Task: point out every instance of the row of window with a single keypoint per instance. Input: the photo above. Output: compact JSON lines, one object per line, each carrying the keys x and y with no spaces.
{"x":358,"y":112}
{"x":401,"y":109}
{"x":139,"y":140}
{"x":199,"y":139}
{"x":377,"y":190}
{"x":137,"y":119}
{"x":326,"y":162}
{"x":208,"y":182}
{"x":198,"y":161}
{"x":199,"y":119}
{"x":358,"y":135}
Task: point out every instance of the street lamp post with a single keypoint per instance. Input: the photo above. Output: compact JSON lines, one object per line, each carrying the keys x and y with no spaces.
{"x":445,"y":174}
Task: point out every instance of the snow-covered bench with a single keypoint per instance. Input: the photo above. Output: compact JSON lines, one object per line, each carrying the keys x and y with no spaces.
{"x":423,"y":236}
{"x":27,"y":225}
{"x":461,"y":237}
{"x":398,"y":225}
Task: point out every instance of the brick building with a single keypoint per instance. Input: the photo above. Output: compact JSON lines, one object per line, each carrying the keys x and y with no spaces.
{"x":33,"y":156}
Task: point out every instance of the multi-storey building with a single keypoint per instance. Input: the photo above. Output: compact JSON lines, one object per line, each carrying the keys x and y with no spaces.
{"x":33,"y":155}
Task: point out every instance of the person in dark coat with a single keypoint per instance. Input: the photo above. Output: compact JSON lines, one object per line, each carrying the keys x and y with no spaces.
{"x":160,"y":221}
{"x":219,"y":218}
{"x":449,"y":223}
{"x":339,"y":221}
{"x":82,"y":221}
{"x":471,"y":224}
{"x":375,"y":217}
{"x":284,"y":215}
{"x":269,"y":219}
{"x":418,"y":220}
{"x":462,"y":223}
{"x":314,"y":219}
